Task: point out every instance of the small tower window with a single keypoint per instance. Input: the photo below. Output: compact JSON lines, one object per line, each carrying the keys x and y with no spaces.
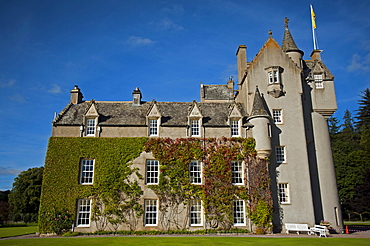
{"x":318,"y":81}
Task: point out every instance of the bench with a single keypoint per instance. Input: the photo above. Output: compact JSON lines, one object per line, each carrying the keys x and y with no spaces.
{"x":297,"y":227}
{"x":321,"y":230}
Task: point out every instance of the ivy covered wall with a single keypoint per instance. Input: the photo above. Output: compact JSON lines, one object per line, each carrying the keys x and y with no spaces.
{"x":116,"y":197}
{"x":61,"y":187}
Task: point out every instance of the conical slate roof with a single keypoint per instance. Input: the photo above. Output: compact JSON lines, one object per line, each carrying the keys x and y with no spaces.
{"x":258,"y":105}
{"x":288,"y":41}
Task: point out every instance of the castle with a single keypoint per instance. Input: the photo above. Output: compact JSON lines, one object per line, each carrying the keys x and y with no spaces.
{"x":281,"y":100}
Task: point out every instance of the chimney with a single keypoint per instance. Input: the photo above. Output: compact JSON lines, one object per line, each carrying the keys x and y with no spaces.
{"x":76,"y":95}
{"x":241,"y":55}
{"x":136,"y":97}
{"x":315,"y":55}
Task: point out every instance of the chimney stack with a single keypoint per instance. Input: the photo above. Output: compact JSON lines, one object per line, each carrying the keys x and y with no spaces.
{"x":315,"y":55}
{"x":136,"y":94}
{"x":76,"y":95}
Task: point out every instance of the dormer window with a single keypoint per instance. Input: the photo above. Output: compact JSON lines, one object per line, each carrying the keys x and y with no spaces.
{"x":90,"y":127}
{"x":153,"y":127}
{"x":318,"y":81}
{"x":153,"y":120}
{"x":195,"y":128}
{"x":235,"y":127}
{"x":91,"y":121}
{"x":194,"y":121}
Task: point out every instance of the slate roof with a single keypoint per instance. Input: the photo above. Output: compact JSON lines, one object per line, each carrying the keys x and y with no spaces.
{"x":312,"y":64}
{"x":124,"y":113}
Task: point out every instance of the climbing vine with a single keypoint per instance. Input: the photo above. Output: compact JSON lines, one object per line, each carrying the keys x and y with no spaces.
{"x":115,"y":197}
{"x":217,"y":191}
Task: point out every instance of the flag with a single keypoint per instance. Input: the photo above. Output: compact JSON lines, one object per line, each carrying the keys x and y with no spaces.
{"x":313,"y":18}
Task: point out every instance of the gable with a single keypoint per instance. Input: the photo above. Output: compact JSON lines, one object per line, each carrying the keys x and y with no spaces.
{"x":154,"y":112}
{"x":92,"y":111}
{"x":195,"y":111}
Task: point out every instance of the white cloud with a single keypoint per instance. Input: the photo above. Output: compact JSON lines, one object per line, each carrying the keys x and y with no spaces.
{"x":8,"y":83}
{"x":174,"y":9}
{"x":55,"y":89}
{"x":139,"y":41}
{"x":17,"y":98}
{"x":167,"y":24}
{"x":9,"y":171}
{"x":359,"y":63}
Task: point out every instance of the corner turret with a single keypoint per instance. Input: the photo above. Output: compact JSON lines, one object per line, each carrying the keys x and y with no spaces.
{"x":290,"y":47}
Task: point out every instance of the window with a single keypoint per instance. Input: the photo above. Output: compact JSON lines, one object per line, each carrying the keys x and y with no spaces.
{"x":195,"y":128}
{"x":87,"y":171}
{"x":235,"y":128}
{"x":239,"y":212}
{"x":90,"y":127}
{"x":318,"y":81}
{"x":280,"y":154}
{"x":195,"y":213}
{"x":284,"y":193}
{"x":83,"y":212}
{"x":237,"y":172}
{"x":195,"y":172}
{"x":152,"y":172}
{"x":273,"y":76}
{"x":153,"y":127}
{"x":277,"y":115}
{"x":151,"y":212}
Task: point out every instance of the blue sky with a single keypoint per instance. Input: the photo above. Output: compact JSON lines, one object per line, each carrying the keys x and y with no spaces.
{"x":166,"y":48}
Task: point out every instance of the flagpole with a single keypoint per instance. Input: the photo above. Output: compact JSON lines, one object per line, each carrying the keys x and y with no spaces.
{"x":313,"y":24}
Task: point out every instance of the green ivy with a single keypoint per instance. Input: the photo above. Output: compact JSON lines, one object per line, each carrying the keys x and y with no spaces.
{"x":61,"y":188}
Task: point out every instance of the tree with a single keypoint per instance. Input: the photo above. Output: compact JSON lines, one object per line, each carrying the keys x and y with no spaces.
{"x":24,"y":197}
{"x":4,"y":206}
{"x":363,"y":112}
{"x":334,"y":126}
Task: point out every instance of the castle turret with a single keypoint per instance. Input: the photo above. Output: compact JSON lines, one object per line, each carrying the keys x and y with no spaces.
{"x":260,"y":120}
{"x":290,"y":47}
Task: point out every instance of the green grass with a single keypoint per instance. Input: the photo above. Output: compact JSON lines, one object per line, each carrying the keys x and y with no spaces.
{"x":357,"y":223}
{"x":17,"y":231}
{"x":154,"y":241}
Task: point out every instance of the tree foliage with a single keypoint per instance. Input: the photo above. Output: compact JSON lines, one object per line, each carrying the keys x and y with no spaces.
{"x":351,"y":153}
{"x":24,"y":197}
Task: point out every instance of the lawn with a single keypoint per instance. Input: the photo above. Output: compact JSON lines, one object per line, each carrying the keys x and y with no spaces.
{"x":198,"y":240}
{"x":17,"y":231}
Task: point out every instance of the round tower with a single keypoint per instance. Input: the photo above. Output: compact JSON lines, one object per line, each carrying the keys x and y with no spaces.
{"x":261,"y":130}
{"x":290,"y":47}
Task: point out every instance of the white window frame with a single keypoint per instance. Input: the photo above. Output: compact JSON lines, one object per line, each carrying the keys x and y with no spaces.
{"x":83,"y":213}
{"x":319,"y":83}
{"x":274,"y":76}
{"x":90,"y":126}
{"x":150,"y":212}
{"x":280,"y":153}
{"x":152,"y":172}
{"x":196,"y":213}
{"x":195,"y":127}
{"x":239,"y":217}
{"x":195,"y":172}
{"x":277,"y":115}
{"x":237,"y":172}
{"x":235,"y":127}
{"x":153,"y":127}
{"x":87,"y":167}
{"x":284,"y":193}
